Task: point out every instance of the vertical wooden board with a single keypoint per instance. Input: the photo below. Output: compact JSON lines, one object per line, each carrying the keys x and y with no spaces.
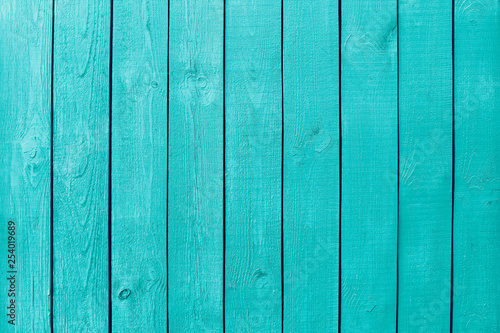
{"x":311,"y":166}
{"x":25,"y":67}
{"x":476,"y":271}
{"x":253,"y":166}
{"x":139,"y":166}
{"x":196,"y":153}
{"x":369,"y":165}
{"x":81,"y":128}
{"x":426,"y":124}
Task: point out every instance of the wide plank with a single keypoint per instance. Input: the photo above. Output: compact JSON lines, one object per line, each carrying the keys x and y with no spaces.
{"x":139,"y":166}
{"x":425,"y":198}
{"x":311,"y":166}
{"x":81,"y":163}
{"x":196,"y":154}
{"x":253,"y":92}
{"x":369,"y":165}
{"x":476,"y":238}
{"x":25,"y":143}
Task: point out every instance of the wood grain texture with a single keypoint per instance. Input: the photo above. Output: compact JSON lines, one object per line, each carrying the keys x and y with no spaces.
{"x":311,"y":166}
{"x":253,"y":166}
{"x":25,"y":67}
{"x":369,"y":165}
{"x":476,"y":296}
{"x":139,"y":168}
{"x":81,"y":157}
{"x":196,"y":153}
{"x":426,"y":124}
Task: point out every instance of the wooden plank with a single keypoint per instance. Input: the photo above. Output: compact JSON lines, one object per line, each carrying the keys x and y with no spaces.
{"x":476,"y":291}
{"x":196,"y":154}
{"x":253,"y":166}
{"x":369,"y":165}
{"x":311,"y":166}
{"x":25,"y":67}
{"x":81,"y":128}
{"x":426,"y":124}
{"x":139,"y":168}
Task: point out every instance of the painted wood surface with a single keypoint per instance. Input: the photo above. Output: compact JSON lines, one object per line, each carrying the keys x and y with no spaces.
{"x":425,"y":155}
{"x":476,"y":289}
{"x":212,"y":166}
{"x":25,"y":67}
{"x":196,"y":154}
{"x":139,"y":168}
{"x":311,"y":166}
{"x":253,"y":95}
{"x":81,"y":162}
{"x":369,"y":165}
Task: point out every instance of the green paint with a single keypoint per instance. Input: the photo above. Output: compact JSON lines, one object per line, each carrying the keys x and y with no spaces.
{"x":25,"y":70}
{"x":139,"y":168}
{"x":369,"y":165}
{"x":195,"y":200}
{"x":81,"y":157}
{"x":476,"y":297}
{"x":170,"y":161}
{"x":311,"y":166}
{"x":253,"y":166}
{"x":426,"y":123}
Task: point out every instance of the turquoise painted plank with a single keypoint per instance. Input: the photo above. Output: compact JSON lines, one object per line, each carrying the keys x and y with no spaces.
{"x":369,"y":165}
{"x":426,"y":124}
{"x":311,"y":166}
{"x":139,"y":168}
{"x":195,"y":187}
{"x":253,"y":166}
{"x":81,"y":161}
{"x":476,"y":288}
{"x":25,"y":67}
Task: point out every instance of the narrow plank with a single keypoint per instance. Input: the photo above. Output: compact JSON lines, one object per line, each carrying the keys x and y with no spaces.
{"x":25,"y":67}
{"x":426,"y":124}
{"x":476,"y":291}
{"x":369,"y":165}
{"x":81,"y":128}
{"x":196,"y":154}
{"x":311,"y":166}
{"x":139,"y":168}
{"x":253,"y":166}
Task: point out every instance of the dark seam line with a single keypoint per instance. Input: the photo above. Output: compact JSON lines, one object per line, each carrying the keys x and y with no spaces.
{"x":340,"y":164}
{"x":51,"y":288}
{"x":224,"y":169}
{"x":398,"y":172}
{"x":168,"y":158}
{"x":453,"y":157}
{"x":110,"y":308}
{"x":282,"y":172}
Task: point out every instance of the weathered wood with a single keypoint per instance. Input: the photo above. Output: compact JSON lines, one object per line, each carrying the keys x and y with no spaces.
{"x":369,"y":165}
{"x":476,"y":271}
{"x":25,"y":80}
{"x":139,"y":166}
{"x":81,"y":129}
{"x":253,"y":166}
{"x":311,"y":166}
{"x":426,"y":123}
{"x":196,"y":153}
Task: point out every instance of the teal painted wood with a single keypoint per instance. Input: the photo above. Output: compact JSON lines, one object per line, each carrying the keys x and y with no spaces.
{"x":81,"y":128}
{"x":476,"y":289}
{"x":369,"y":165}
{"x":253,"y":166}
{"x":25,"y":67}
{"x":139,"y":168}
{"x":311,"y":166}
{"x":426,"y":123}
{"x":196,"y":153}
